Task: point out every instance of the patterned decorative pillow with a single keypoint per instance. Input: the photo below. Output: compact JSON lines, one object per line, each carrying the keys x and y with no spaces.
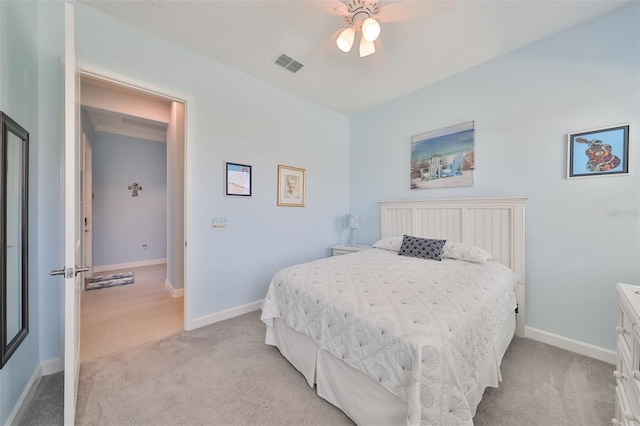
{"x":424,"y":248}
{"x":466,"y":252}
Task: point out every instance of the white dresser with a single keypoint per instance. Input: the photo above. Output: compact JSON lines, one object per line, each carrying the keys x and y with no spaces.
{"x":628,"y":360}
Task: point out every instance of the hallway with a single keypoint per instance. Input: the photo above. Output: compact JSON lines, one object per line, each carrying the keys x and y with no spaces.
{"x":114,"y":319}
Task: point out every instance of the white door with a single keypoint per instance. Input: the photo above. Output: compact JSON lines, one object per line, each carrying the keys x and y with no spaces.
{"x":72,"y":224}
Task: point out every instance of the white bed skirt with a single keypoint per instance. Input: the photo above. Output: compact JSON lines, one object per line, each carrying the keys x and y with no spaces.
{"x":360,"y":397}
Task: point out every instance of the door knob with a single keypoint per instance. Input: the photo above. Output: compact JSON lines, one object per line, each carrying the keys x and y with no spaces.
{"x":69,"y":272}
{"x":81,"y":269}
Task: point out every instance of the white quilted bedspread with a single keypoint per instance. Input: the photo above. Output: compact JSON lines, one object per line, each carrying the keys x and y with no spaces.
{"x":419,"y":327}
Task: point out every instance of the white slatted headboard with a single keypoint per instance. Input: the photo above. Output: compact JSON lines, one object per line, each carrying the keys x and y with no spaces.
{"x":494,"y":224}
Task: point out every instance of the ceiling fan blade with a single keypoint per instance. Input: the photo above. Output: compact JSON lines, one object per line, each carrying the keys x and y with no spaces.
{"x":334,"y":7}
{"x":327,"y":47}
{"x":413,"y":10}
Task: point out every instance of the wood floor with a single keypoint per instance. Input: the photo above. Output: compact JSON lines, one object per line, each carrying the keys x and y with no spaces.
{"x":117,"y":318}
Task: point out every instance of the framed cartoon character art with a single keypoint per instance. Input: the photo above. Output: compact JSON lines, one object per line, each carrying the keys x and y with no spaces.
{"x":601,"y":152}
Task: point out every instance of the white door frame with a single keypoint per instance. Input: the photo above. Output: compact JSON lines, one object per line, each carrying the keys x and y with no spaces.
{"x":87,"y":205}
{"x":117,"y":79}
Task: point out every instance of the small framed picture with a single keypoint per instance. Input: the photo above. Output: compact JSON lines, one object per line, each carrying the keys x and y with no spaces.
{"x":291,"y":186}
{"x":238,"y":180}
{"x":600,"y":152}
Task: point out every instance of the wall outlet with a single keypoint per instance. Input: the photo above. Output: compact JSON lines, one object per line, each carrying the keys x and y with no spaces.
{"x":219,"y":222}
{"x":144,"y":247}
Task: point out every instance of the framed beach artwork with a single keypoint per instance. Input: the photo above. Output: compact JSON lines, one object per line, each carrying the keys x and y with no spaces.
{"x":443,"y":158}
{"x":291,"y":186}
{"x":238,"y":180}
{"x":600,"y":152}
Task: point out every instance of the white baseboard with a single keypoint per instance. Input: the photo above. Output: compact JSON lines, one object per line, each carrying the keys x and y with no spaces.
{"x":25,"y":398}
{"x":52,"y":366}
{"x":576,"y":346}
{"x":172,"y":291}
{"x":223,"y":315}
{"x":137,"y":264}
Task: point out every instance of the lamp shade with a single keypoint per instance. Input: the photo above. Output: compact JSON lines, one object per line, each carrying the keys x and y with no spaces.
{"x":345,"y":39}
{"x":366,"y":48}
{"x":352,"y":221}
{"x":370,"y":29}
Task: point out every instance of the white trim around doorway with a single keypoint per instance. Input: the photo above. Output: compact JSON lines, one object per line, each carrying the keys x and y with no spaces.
{"x":187,"y":101}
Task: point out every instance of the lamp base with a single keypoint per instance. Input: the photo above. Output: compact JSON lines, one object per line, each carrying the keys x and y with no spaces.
{"x":352,"y":241}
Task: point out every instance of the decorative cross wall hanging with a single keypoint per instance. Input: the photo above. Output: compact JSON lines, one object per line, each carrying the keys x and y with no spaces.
{"x":135,"y":188}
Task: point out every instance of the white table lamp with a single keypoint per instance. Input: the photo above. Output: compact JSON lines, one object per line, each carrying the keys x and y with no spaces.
{"x":352,"y":221}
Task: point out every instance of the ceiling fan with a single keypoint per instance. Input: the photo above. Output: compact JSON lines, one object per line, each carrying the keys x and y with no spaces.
{"x":360,"y":16}
{"x":364,"y":17}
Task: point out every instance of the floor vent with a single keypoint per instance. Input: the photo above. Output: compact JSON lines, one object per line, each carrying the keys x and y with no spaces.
{"x":288,"y":63}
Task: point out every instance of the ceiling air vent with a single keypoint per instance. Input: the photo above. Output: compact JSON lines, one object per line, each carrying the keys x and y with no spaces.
{"x":288,"y":63}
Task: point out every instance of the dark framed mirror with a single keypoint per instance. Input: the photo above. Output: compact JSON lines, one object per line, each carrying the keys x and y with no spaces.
{"x":14,"y":282}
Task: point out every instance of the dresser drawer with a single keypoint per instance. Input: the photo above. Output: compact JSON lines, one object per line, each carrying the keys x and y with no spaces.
{"x":337,"y":252}
{"x":620,"y":419}
{"x":343,"y":249}
{"x":634,"y":362}
{"x":627,"y":393}
{"x":625,"y":328}
{"x":623,"y":417}
{"x":627,"y":372}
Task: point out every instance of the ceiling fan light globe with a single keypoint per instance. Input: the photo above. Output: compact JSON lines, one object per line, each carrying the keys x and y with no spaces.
{"x":366,"y":48}
{"x":345,"y":39}
{"x":370,"y":29}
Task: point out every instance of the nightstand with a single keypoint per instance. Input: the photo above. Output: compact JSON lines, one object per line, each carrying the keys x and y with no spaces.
{"x":341,"y":249}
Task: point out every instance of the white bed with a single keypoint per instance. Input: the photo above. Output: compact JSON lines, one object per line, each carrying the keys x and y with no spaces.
{"x":385,"y":348}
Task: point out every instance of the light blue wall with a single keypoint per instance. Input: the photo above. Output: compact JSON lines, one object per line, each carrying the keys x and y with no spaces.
{"x":524,"y":104}
{"x":234,"y":117}
{"x":19,"y":100}
{"x":122,"y":224}
{"x":50,"y":26}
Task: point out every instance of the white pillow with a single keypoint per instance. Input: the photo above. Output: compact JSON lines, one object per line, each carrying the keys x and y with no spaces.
{"x":467,"y":252}
{"x":389,"y":243}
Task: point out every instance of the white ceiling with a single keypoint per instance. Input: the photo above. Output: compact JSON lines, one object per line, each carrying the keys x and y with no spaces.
{"x":433,"y":40}
{"x":121,"y":124}
{"x":114,"y":108}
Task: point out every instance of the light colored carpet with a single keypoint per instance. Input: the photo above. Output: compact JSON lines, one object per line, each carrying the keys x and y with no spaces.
{"x":47,"y":405}
{"x":224,"y":374}
{"x":547,"y":386}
